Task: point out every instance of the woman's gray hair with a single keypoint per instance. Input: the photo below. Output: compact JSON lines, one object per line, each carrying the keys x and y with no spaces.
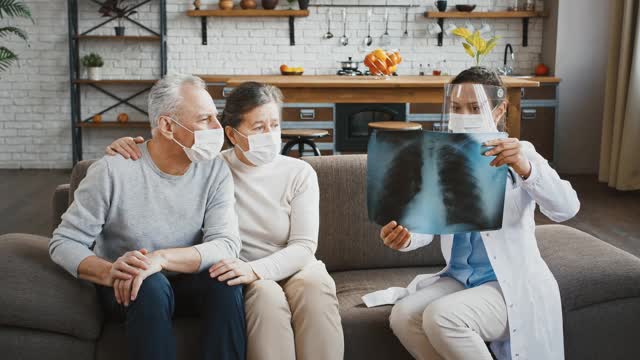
{"x":165,"y":96}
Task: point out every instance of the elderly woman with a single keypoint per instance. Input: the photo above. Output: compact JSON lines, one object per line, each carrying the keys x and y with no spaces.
{"x":290,"y":299}
{"x":496,"y":287}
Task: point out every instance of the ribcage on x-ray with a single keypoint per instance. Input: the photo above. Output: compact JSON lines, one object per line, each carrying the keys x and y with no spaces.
{"x":402,"y":181}
{"x":460,"y":193}
{"x":434,"y":181}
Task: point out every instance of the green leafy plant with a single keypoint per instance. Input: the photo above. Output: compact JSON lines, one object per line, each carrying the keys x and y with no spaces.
{"x":290,"y":3}
{"x":92,"y":60}
{"x":474,"y":45}
{"x":12,"y":8}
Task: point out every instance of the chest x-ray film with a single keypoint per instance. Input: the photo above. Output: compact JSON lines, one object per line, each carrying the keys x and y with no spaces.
{"x":434,"y":182}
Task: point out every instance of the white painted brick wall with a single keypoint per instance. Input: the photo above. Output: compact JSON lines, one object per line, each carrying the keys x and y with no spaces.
{"x":34,"y":97}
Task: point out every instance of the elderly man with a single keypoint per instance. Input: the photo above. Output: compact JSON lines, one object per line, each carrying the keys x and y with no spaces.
{"x":145,"y":232}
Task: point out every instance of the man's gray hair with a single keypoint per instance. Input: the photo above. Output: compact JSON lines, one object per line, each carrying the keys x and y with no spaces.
{"x":165,"y":96}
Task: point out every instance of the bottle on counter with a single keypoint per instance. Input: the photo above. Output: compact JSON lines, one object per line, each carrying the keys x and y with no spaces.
{"x":421,"y":72}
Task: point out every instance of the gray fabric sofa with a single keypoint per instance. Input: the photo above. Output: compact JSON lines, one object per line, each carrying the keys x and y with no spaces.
{"x":46,"y":314}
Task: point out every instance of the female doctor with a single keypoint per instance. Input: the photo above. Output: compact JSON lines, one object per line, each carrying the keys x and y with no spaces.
{"x":496,"y":287}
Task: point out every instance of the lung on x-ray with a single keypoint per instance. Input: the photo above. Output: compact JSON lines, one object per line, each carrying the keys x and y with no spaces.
{"x":434,"y":182}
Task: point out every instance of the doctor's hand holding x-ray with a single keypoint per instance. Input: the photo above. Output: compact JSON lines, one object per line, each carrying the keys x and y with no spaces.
{"x":472,"y":109}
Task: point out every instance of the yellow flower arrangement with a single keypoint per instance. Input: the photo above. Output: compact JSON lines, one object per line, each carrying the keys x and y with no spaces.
{"x":474,"y":44}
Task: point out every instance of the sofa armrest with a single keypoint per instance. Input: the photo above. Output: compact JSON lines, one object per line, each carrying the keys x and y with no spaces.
{"x":589,"y":271}
{"x":60,"y":203}
{"x":38,"y":294}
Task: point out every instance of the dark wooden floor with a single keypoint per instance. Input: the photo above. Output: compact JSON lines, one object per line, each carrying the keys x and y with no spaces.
{"x":25,"y":199}
{"x":613,"y":216}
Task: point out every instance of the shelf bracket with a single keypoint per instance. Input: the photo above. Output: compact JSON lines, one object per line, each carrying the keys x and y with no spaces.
{"x":441,"y":33}
{"x":292,"y":32}
{"x":525,"y":31}
{"x":203,"y":21}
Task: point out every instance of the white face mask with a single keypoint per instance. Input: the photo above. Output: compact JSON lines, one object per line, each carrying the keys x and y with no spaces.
{"x":471,"y":123}
{"x":206,"y":146}
{"x":263,"y":148}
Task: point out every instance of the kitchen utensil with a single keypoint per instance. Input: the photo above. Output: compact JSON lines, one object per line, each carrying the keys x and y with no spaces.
{"x":350,"y":64}
{"x":385,"y":39}
{"x":344,"y":40}
{"x":328,"y":35}
{"x":469,"y":26}
{"x":485,"y":28}
{"x":248,"y":4}
{"x":225,"y":4}
{"x":368,"y":40}
{"x":434,"y":29}
{"x":465,"y":8}
{"x":449,"y":28}
{"x":406,"y":23}
{"x":269,"y":4}
{"x":441,"y":5}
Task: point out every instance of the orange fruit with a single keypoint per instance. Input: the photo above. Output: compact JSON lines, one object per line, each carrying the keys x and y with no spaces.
{"x":380,"y":54}
{"x":97,"y":118}
{"x":123,"y":117}
{"x":398,"y":56}
{"x":284,"y":68}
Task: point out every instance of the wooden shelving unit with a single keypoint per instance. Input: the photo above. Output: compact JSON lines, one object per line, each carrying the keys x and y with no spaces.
{"x":114,"y":37}
{"x":114,"y":124}
{"x":291,"y":14}
{"x":81,"y":121}
{"x":115,"y":82}
{"x":249,"y":13}
{"x":524,"y":15}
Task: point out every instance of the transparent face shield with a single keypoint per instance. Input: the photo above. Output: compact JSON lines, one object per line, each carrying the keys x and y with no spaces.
{"x":473,"y":108}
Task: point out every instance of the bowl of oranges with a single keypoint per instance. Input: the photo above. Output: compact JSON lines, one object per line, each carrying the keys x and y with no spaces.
{"x":383,"y":63}
{"x":288,"y":70}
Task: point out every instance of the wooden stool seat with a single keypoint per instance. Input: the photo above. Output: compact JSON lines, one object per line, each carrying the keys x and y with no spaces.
{"x":395,"y":126}
{"x":302,"y":137}
{"x":305,"y":133}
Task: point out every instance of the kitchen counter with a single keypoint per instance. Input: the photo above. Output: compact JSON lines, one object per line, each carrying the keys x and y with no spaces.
{"x":330,"y":81}
{"x":541,"y":79}
{"x":333,"y":89}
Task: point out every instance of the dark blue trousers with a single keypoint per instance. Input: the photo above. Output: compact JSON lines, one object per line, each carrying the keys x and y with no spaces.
{"x":148,"y":319}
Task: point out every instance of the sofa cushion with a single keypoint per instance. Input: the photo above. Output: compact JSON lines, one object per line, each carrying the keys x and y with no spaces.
{"x":589,"y":271}
{"x":347,"y":239}
{"x":367,"y":333}
{"x":38,"y":294}
{"x":366,"y":330}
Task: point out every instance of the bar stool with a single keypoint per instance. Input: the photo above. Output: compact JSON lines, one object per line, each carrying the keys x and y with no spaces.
{"x":394,"y":126}
{"x":302,"y":137}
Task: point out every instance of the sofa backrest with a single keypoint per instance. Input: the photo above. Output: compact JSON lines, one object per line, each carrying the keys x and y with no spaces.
{"x":347,"y":240}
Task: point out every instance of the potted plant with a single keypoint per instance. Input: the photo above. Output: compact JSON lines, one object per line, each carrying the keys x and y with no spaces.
{"x":93,"y":62}
{"x":303,"y":4}
{"x":119,"y":9}
{"x":12,"y":8}
{"x":474,"y":45}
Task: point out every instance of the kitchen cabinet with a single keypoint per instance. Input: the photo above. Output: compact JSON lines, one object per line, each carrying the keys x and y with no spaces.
{"x":539,"y":112}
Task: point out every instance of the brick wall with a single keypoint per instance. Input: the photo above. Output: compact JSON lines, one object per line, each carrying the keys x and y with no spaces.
{"x":34,"y":96}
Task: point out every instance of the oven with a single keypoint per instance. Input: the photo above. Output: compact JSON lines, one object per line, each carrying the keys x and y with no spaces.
{"x":352,"y":123}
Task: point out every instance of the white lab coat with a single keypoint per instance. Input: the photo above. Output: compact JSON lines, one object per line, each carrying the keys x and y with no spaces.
{"x":529,"y":289}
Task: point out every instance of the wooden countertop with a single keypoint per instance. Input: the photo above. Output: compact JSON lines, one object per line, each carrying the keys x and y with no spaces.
{"x":333,"y":81}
